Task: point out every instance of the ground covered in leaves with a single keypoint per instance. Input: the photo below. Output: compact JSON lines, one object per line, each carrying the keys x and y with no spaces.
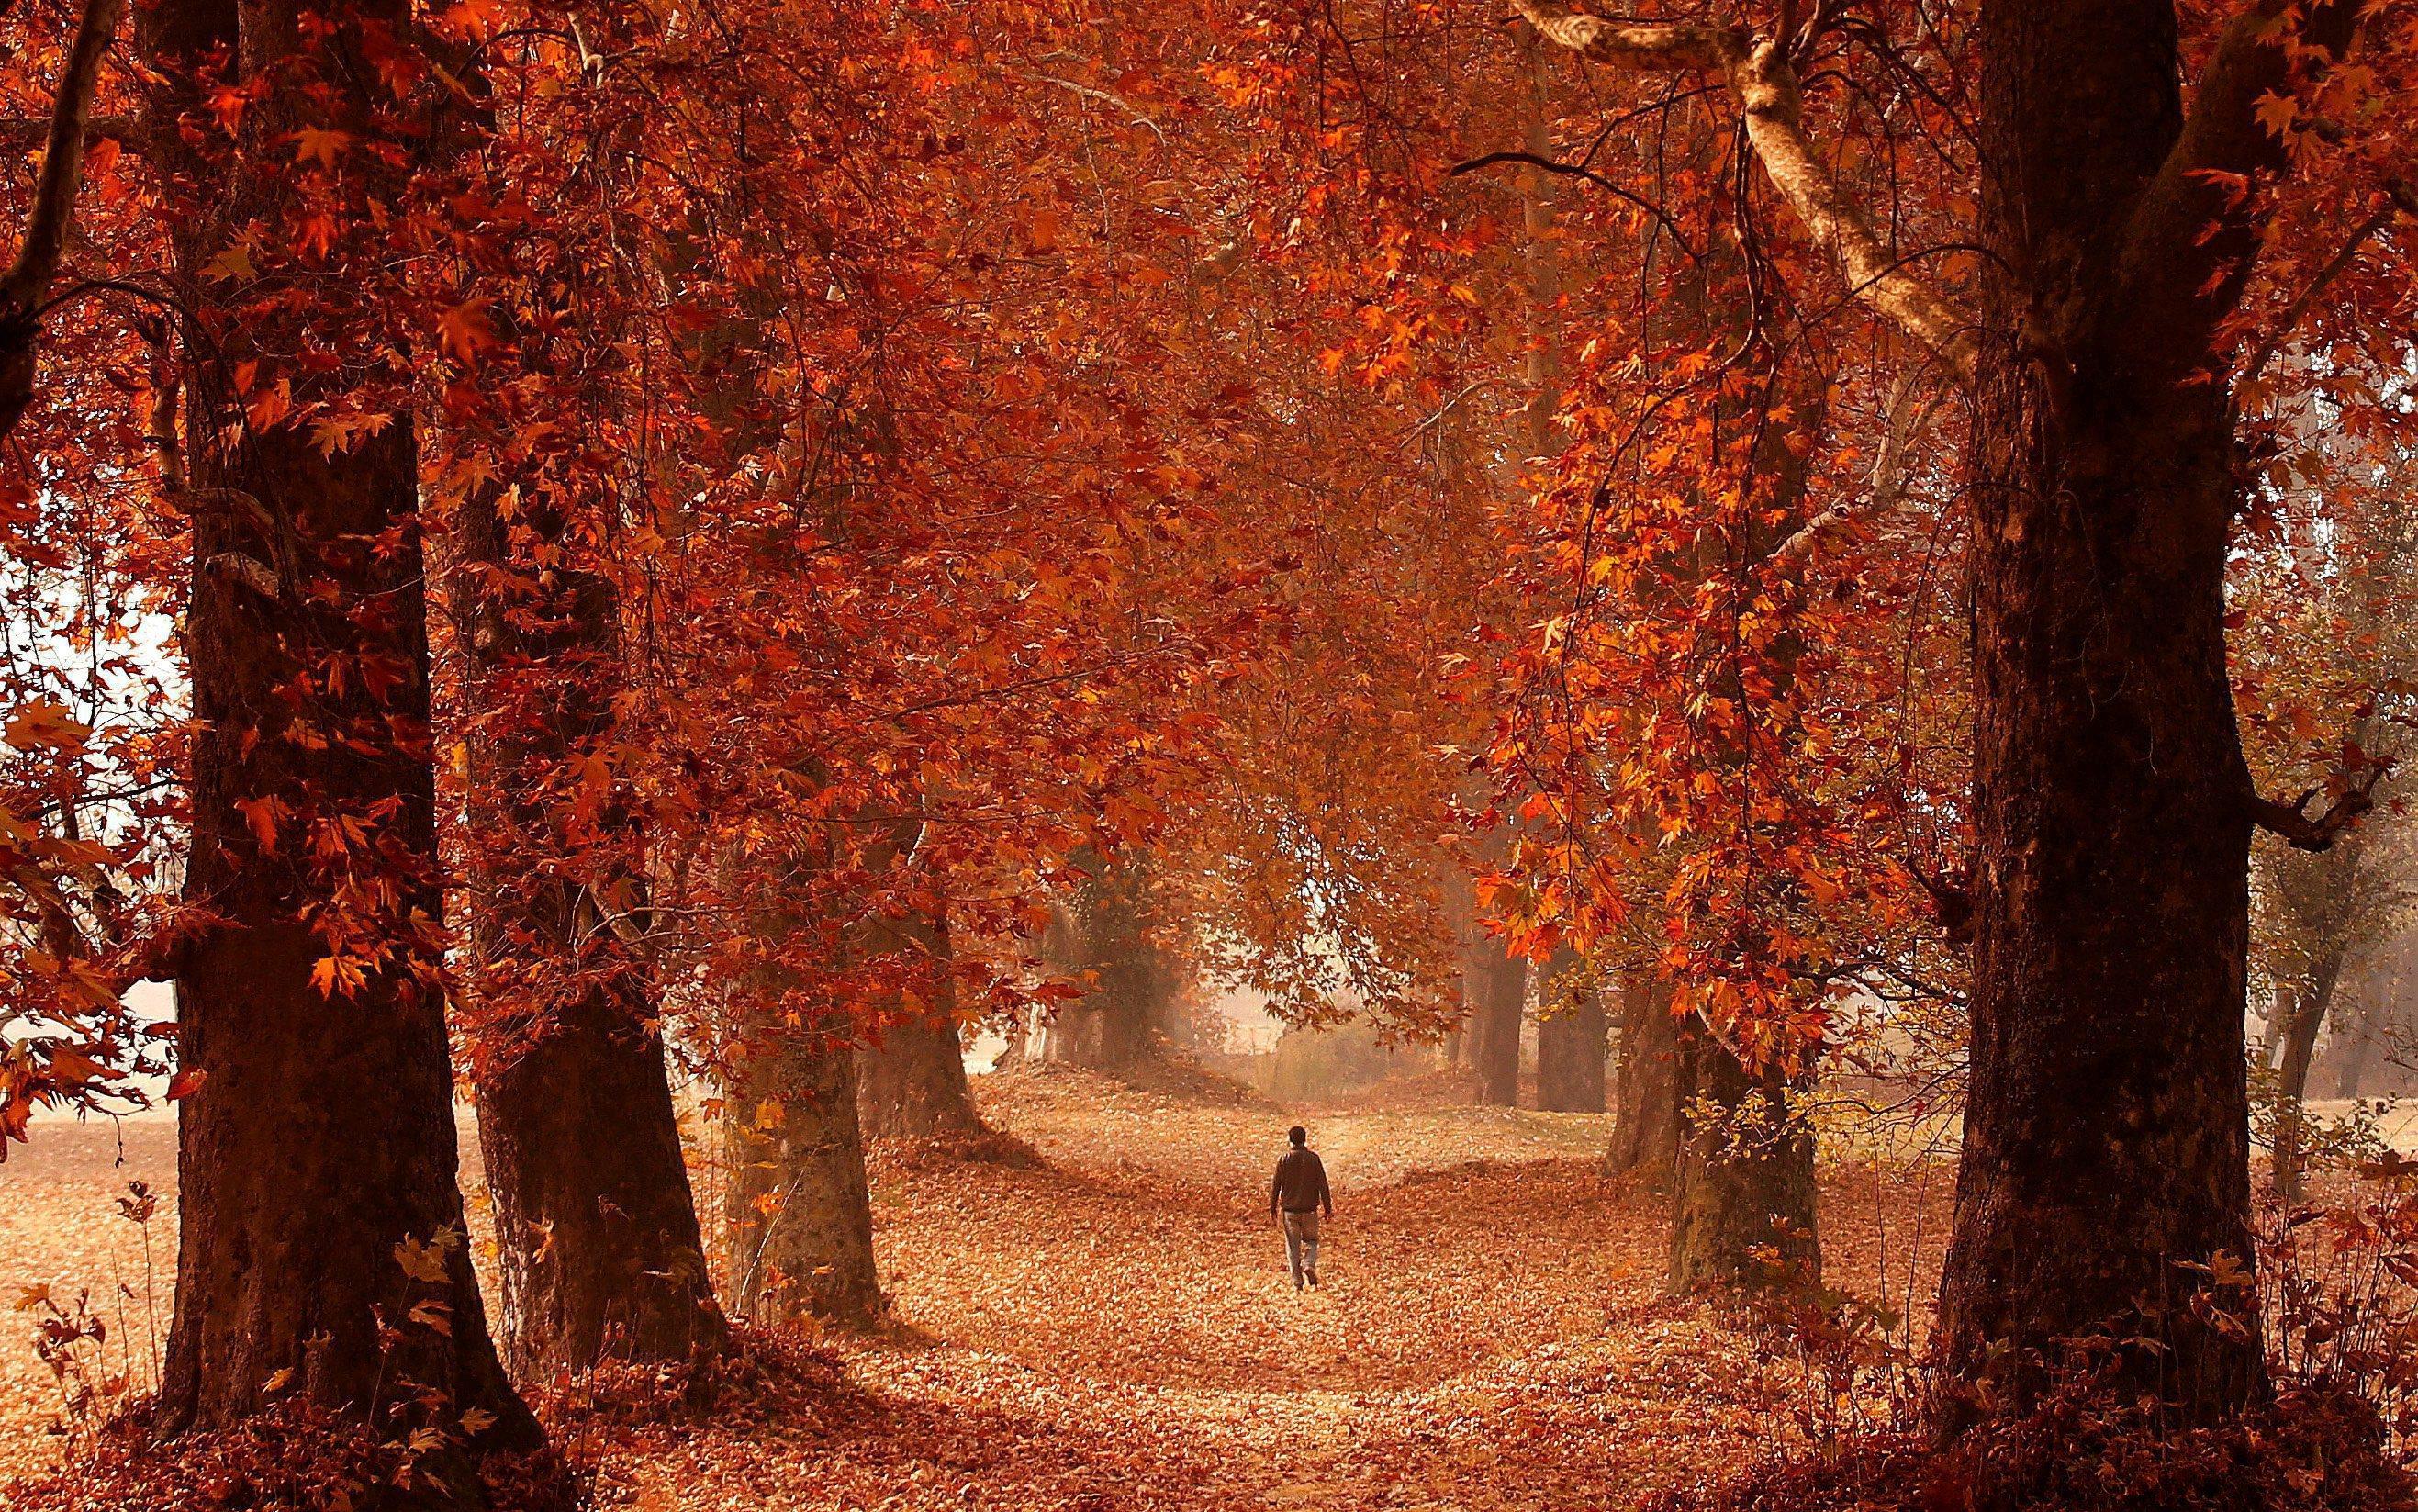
{"x":1112,"y":1327}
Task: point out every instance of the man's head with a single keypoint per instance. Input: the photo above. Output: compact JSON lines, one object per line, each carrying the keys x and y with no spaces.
{"x":1299,"y":1135}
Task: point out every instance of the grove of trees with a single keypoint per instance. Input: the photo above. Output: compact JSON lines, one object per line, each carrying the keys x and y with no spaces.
{"x":652,"y":562}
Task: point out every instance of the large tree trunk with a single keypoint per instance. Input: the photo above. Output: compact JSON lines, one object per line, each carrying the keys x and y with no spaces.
{"x":599,"y":1249}
{"x":1494,"y":984}
{"x":322,"y":1247}
{"x":1646,"y":1101}
{"x":315,"y":1163}
{"x":2105,"y":1178}
{"x":1742,"y":1208}
{"x":912,"y":1079}
{"x":1493,"y":996}
{"x":801,"y":1219}
{"x":1569,"y":1042}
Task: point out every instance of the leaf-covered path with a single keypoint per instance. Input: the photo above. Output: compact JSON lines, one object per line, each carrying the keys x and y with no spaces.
{"x":1112,"y":1329}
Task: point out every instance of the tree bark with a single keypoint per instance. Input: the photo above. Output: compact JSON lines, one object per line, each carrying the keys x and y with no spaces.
{"x":599,"y":1249}
{"x":1646,"y":1103}
{"x":2104,"y":1174}
{"x":322,"y":1247}
{"x":912,"y":1079}
{"x":1742,"y":1210}
{"x":600,"y":1252}
{"x":1494,"y":984}
{"x":316,"y":1162}
{"x":1569,"y":1042}
{"x":801,"y":1219}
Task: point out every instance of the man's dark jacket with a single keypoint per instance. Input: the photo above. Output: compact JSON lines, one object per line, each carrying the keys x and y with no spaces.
{"x":1300,"y":1184}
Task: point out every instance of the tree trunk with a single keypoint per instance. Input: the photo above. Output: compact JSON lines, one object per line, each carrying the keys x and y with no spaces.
{"x":600,"y":1253}
{"x":1743,"y":1209}
{"x":2360,"y":1044}
{"x":316,"y":1162}
{"x":2104,"y":1175}
{"x":2311,"y":1001}
{"x":912,"y":1079}
{"x":801,"y":1219}
{"x":1128,"y":984}
{"x":599,"y":1249}
{"x":1569,"y":1042}
{"x":1646,"y":1103}
{"x":1494,"y":984}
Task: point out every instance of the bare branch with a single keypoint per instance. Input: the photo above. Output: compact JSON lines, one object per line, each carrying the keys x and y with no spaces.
{"x":27,"y":282}
{"x":1572,"y":170}
{"x":1887,"y":491}
{"x":2306,"y":832}
{"x":1758,"y":72}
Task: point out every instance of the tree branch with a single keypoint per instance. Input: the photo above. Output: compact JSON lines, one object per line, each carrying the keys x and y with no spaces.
{"x":2304,"y":832}
{"x":2184,"y":278}
{"x":1886,"y":492}
{"x":1572,"y":170}
{"x":1758,"y":72}
{"x":27,"y":282}
{"x":2307,"y":296}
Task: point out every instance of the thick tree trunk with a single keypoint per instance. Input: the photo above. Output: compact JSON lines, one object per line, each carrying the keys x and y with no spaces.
{"x":1494,"y":984}
{"x":2104,"y":1177}
{"x":911,"y":1084}
{"x":912,"y":1079}
{"x":1645,"y":1102}
{"x":1569,"y":1042}
{"x":599,"y":1248}
{"x":1742,"y":1208}
{"x":316,"y":1162}
{"x":800,"y":1220}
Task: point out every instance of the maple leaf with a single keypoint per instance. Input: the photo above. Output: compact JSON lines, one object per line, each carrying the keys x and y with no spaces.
{"x":466,"y":331}
{"x":321,"y":144}
{"x":45,"y":724}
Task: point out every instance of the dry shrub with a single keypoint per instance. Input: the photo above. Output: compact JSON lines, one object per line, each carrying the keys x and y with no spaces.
{"x":2337,"y":1298}
{"x":763,"y":1375}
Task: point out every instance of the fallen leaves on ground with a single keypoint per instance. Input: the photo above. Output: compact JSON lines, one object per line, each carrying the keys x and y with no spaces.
{"x":1112,"y":1328}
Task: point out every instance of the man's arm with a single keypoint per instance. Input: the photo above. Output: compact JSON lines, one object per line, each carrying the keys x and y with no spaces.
{"x":1325,"y":1197}
{"x":1275,"y":1187}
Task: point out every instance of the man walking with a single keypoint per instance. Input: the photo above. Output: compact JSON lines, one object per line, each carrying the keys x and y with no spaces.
{"x":1295,"y":1200}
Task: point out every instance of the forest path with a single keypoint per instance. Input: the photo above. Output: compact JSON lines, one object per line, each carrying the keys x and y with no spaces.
{"x":1113,"y":1329}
